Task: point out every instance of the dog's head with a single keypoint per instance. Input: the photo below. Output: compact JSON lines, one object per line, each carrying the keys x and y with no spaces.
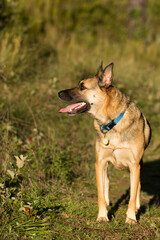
{"x":90,"y":93}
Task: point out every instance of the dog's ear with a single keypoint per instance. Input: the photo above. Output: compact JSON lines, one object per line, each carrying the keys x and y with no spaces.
{"x":105,"y":80}
{"x":100,"y":70}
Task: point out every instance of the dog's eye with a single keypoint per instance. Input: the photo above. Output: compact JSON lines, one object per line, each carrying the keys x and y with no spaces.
{"x":82,"y":87}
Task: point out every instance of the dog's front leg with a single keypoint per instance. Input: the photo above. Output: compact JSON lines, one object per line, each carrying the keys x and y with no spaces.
{"x":135,"y":188}
{"x":102,"y":189}
{"x":102,"y":158}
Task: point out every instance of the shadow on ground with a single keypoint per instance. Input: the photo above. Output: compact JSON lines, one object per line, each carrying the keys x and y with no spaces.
{"x":150,"y":183}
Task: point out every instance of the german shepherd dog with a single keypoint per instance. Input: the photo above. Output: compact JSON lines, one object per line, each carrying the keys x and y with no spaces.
{"x":123,"y":133}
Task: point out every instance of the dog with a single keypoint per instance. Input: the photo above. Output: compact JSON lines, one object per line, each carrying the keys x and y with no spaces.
{"x":123,"y":133}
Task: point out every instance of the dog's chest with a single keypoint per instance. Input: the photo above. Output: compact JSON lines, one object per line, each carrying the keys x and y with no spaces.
{"x":120,"y":160}
{"x":111,"y":139}
{"x":121,"y":154}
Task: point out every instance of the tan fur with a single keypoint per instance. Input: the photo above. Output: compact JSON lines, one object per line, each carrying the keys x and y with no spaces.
{"x":126,"y":141}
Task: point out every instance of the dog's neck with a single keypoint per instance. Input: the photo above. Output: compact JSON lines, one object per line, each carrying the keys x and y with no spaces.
{"x":111,"y":107}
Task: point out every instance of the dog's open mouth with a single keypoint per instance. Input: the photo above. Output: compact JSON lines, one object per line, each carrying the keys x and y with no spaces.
{"x":75,"y":108}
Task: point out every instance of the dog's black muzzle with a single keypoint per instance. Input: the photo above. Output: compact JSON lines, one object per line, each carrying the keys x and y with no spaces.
{"x":65,"y":96}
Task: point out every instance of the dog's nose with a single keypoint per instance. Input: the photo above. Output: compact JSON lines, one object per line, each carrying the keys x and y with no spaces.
{"x":60,"y":94}
{"x":64,"y":95}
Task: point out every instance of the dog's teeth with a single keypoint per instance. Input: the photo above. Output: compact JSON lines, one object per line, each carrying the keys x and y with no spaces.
{"x":81,"y":105}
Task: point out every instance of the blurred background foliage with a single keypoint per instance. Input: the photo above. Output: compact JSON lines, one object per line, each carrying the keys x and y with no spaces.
{"x":32,"y":31}
{"x":117,"y":20}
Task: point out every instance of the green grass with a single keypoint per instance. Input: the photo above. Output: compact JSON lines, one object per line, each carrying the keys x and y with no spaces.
{"x":47,"y":176}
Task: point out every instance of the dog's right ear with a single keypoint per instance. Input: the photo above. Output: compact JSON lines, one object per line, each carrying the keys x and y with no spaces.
{"x":100,"y":70}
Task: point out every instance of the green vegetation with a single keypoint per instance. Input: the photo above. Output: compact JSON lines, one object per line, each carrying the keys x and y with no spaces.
{"x":47,"y":177}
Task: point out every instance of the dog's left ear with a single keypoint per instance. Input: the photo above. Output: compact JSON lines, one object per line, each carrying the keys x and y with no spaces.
{"x":105,"y":80}
{"x":100,"y":70}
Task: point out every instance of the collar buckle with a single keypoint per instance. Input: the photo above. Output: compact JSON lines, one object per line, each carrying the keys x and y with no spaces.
{"x":112,"y":123}
{"x":108,"y":126}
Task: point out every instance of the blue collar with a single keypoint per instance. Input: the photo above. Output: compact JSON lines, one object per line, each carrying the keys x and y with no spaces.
{"x":112,"y":123}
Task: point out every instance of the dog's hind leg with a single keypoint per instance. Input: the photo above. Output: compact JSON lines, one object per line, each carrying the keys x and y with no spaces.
{"x":106,"y":185}
{"x":138,"y":197}
{"x":139,"y":189}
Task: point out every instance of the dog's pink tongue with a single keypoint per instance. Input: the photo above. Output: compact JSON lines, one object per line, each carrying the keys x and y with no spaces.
{"x":69,"y":108}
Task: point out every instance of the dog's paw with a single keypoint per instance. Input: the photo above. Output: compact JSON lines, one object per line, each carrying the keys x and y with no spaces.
{"x":131,"y":221}
{"x":102,"y":219}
